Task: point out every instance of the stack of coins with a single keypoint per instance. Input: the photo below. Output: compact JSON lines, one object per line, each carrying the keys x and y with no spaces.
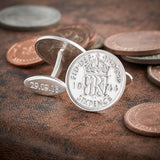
{"x":23,"y":53}
{"x":35,"y":17}
{"x":141,"y":47}
{"x":83,"y":34}
{"x":24,"y":18}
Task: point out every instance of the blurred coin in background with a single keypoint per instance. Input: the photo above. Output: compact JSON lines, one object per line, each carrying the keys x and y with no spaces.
{"x":29,"y":17}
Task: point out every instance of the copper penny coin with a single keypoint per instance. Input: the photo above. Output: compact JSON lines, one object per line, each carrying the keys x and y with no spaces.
{"x":134,"y":43}
{"x":23,"y":53}
{"x":74,"y":33}
{"x":144,"y":119}
{"x":153,"y":73}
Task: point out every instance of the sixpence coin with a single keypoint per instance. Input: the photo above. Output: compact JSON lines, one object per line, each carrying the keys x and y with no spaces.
{"x":95,"y":80}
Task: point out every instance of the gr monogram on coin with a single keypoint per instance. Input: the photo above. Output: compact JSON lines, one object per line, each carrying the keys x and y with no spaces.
{"x":95,"y":80}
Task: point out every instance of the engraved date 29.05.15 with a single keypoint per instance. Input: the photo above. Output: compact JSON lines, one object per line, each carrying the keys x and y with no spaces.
{"x":44,"y":87}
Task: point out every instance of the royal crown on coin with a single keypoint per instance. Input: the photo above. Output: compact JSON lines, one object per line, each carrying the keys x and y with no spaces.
{"x":97,"y":66}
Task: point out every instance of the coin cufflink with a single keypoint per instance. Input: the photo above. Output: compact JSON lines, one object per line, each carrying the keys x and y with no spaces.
{"x":50,"y":85}
{"x":47,"y":85}
{"x":95,"y":80}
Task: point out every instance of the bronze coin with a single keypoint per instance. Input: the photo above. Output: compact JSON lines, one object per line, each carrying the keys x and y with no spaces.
{"x":134,"y":43}
{"x":144,"y":119}
{"x":99,"y":42}
{"x":23,"y":53}
{"x":75,"y":33}
{"x":153,"y":73}
{"x":92,"y":34}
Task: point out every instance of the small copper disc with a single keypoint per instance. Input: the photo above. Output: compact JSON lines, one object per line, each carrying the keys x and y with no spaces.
{"x":23,"y":53}
{"x":144,"y":119}
{"x":154,"y":74}
{"x":75,"y":33}
{"x":134,"y":43}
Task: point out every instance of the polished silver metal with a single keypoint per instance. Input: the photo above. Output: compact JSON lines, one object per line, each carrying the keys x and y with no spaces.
{"x":65,"y":40}
{"x":48,"y":46}
{"x":50,"y":85}
{"x":95,"y":80}
{"x":129,"y":78}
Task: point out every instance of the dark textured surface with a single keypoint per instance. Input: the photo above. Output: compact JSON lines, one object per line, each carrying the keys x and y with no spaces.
{"x":39,"y":127}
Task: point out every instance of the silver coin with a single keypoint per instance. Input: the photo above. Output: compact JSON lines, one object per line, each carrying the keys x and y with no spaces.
{"x":27,"y":17}
{"x":45,"y":85}
{"x":95,"y":80}
{"x":153,"y":59}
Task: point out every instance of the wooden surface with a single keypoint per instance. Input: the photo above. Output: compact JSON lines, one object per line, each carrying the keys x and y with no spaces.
{"x":39,"y":127}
